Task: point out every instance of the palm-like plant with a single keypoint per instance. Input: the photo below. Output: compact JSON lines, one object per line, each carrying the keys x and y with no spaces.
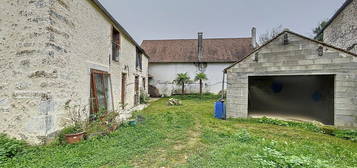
{"x":182,"y":79}
{"x":201,"y":77}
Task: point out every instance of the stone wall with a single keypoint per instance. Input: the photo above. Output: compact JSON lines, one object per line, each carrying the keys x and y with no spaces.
{"x":299,"y":57}
{"x":342,"y":32}
{"x":47,"y":50}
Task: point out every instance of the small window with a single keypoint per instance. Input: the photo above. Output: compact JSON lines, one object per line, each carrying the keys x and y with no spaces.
{"x":116,"y":45}
{"x":139,"y":55}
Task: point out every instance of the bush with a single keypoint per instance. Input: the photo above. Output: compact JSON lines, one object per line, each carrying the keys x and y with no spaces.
{"x":10,"y":148}
{"x":144,"y":98}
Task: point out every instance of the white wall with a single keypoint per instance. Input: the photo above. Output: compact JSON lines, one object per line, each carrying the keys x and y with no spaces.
{"x":164,"y":74}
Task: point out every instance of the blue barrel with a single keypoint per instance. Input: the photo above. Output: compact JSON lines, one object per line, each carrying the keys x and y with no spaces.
{"x":220,"y":110}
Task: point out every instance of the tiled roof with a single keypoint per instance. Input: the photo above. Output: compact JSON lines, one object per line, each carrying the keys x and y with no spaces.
{"x":215,"y":50}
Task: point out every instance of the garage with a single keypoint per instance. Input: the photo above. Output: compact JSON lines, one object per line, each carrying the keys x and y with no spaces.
{"x":292,"y":97}
{"x":294,"y":77}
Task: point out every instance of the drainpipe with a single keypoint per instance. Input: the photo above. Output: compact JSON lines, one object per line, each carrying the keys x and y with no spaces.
{"x":223,"y":97}
{"x":223,"y":81}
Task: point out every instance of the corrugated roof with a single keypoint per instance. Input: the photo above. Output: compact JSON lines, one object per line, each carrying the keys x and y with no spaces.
{"x":186,"y":50}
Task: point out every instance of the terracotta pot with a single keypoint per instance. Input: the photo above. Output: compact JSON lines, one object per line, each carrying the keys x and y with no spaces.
{"x":74,"y":138}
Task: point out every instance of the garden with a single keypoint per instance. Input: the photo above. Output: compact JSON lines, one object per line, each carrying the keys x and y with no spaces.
{"x":185,"y":134}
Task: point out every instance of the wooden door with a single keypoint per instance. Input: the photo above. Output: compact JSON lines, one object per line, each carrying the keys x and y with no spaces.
{"x":136,"y":96}
{"x":123,"y":90}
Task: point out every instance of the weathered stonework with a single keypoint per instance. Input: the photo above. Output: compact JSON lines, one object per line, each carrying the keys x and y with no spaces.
{"x":47,"y":50}
{"x":299,"y":57}
{"x":342,"y":31}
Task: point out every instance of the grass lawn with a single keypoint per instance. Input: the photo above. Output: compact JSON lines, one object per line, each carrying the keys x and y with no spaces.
{"x":188,"y":136}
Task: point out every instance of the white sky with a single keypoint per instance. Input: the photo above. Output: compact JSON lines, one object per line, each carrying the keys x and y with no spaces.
{"x":180,"y":19}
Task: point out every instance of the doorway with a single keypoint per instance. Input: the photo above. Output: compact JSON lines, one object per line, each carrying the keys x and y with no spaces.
{"x":123,"y":89}
{"x":136,"y":91}
{"x":308,"y":97}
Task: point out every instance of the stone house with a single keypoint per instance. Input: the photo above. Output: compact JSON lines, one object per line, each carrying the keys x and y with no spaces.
{"x":210,"y":56}
{"x":59,"y":52}
{"x":341,"y":29}
{"x":295,"y":77}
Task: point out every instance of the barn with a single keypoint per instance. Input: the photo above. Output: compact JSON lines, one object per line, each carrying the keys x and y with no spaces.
{"x":294,"y":77}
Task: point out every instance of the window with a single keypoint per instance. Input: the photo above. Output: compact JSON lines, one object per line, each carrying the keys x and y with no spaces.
{"x":116,"y":45}
{"x":139,"y":54}
{"x":100,"y":91}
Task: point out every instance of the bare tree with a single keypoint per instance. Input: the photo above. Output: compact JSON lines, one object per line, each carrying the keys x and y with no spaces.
{"x":270,"y":34}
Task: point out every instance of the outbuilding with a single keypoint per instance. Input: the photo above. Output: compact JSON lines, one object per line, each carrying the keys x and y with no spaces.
{"x":295,"y":77}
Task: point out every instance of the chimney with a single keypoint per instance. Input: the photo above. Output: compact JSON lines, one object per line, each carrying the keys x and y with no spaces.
{"x":254,"y":37}
{"x":200,"y":46}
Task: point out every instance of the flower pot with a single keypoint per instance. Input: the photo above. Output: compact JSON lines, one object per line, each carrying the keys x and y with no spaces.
{"x":74,"y":138}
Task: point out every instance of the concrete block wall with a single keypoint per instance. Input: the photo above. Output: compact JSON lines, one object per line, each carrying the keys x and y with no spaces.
{"x":300,"y":57}
{"x":342,"y":31}
{"x":47,"y":51}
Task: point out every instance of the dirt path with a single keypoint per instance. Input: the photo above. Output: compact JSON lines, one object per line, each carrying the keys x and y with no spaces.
{"x":179,"y":150}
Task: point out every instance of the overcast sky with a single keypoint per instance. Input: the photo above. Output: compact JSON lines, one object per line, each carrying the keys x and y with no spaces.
{"x":182,"y":19}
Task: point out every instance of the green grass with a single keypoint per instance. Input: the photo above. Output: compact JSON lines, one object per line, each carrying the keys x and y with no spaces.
{"x":189,"y":136}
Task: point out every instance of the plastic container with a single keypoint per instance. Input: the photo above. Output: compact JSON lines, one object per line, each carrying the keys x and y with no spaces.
{"x":220,"y":110}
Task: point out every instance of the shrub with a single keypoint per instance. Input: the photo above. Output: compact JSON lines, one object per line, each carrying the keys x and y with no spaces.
{"x":10,"y":148}
{"x":144,"y":97}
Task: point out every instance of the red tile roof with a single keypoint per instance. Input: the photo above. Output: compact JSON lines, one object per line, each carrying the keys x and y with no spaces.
{"x":215,"y":50}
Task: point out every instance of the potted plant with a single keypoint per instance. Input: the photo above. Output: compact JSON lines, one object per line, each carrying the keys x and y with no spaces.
{"x":75,"y":133}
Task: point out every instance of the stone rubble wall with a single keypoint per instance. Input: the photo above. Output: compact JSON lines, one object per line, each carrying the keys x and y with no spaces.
{"x":48,"y":48}
{"x":342,"y":32}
